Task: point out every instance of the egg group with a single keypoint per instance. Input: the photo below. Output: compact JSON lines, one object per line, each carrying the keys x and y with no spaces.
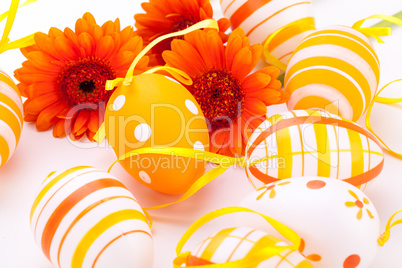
{"x":234,"y":244}
{"x":84,"y":217}
{"x":338,"y":224}
{"x":156,"y":111}
{"x":313,"y":143}
{"x":335,"y":68}
{"x":260,"y":19}
{"x":11,"y":120}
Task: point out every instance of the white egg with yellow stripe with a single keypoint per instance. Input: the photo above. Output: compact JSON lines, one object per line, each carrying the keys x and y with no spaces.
{"x":335,"y":68}
{"x":313,"y":143}
{"x":261,"y":18}
{"x":85,"y":217}
{"x":233,"y":244}
{"x":11,"y":112}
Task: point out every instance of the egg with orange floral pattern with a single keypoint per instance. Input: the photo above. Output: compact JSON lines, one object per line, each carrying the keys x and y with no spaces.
{"x":337,"y":222}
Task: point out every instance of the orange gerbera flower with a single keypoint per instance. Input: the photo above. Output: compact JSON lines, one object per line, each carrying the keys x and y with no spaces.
{"x":233,"y":102}
{"x":65,"y":75}
{"x":167,"y":16}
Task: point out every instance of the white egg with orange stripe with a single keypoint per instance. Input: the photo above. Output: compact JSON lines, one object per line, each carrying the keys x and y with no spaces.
{"x":312,"y":143}
{"x":261,"y":18}
{"x":335,"y":68}
{"x":84,"y":217}
{"x":233,"y":244}
{"x":11,"y":112}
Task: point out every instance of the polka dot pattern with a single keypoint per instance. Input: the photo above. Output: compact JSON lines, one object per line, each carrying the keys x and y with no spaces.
{"x":315,"y":184}
{"x":199,"y":146}
{"x":352,"y":261}
{"x":119,"y":102}
{"x":145,"y":177}
{"x":142,"y":132}
{"x":191,"y":107}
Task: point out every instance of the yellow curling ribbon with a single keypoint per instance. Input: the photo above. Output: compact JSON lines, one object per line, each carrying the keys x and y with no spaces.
{"x":5,"y":43}
{"x":254,"y":258}
{"x":271,"y":58}
{"x":223,"y":163}
{"x":176,"y":73}
{"x":384,"y":101}
{"x":385,"y":236}
{"x":376,"y":32}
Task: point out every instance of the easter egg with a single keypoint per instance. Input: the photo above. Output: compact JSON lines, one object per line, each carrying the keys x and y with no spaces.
{"x":84,"y":217}
{"x":154,"y":111}
{"x":335,"y":68}
{"x":10,"y":117}
{"x":313,"y":143}
{"x":260,"y":19}
{"x":338,"y":224}
{"x":233,"y":244}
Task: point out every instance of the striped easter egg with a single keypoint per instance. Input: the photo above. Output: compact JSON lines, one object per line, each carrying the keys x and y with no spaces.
{"x":233,"y":244}
{"x":10,"y":117}
{"x":335,"y":68}
{"x":313,"y":143}
{"x":261,"y":18}
{"x":84,"y":217}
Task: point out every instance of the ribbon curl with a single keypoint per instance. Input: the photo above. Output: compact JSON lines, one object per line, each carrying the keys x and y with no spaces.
{"x":252,"y":259}
{"x":5,"y":43}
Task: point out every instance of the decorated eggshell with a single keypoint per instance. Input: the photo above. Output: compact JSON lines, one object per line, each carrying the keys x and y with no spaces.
{"x":233,"y":244}
{"x":10,"y":117}
{"x":260,"y":19}
{"x":338,"y":224}
{"x":84,"y":217}
{"x":335,"y":68}
{"x":154,"y":111}
{"x":313,"y":143}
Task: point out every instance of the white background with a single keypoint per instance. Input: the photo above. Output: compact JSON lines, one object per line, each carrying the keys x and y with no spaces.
{"x":39,"y":153}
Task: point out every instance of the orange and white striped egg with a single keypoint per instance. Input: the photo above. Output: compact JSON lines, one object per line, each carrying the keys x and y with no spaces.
{"x":313,"y":143}
{"x":11,"y":112}
{"x":233,"y":244}
{"x":335,"y":68}
{"x":85,"y":217}
{"x":261,"y":18}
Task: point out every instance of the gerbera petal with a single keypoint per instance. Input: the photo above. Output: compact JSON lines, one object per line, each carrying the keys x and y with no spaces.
{"x":42,"y":61}
{"x":255,"y":106}
{"x":104,"y":47}
{"x":255,"y":81}
{"x":87,"y":42}
{"x":233,"y":47}
{"x":177,"y":61}
{"x":65,"y":47}
{"x":40,"y":88}
{"x":241,"y":63}
{"x":108,"y":28}
{"x":59,"y":130}
{"x":236,"y":142}
{"x":89,"y":18}
{"x":187,"y":51}
{"x":217,"y":53}
{"x":90,"y":135}
{"x":93,"y":122}
{"x":48,"y":117}
{"x":271,"y":71}
{"x":80,"y":120}
{"x":38,"y":104}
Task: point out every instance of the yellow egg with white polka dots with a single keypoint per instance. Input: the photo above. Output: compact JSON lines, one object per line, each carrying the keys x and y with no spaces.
{"x":157,"y":111}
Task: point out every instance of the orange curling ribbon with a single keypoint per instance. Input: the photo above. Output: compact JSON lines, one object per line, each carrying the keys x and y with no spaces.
{"x":5,"y":43}
{"x":383,"y":100}
{"x":252,"y":259}
{"x":376,"y":32}
{"x":385,"y":236}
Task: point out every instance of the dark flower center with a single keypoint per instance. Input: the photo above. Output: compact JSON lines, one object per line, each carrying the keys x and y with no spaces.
{"x":183,"y":24}
{"x":220,"y":97}
{"x":83,"y":81}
